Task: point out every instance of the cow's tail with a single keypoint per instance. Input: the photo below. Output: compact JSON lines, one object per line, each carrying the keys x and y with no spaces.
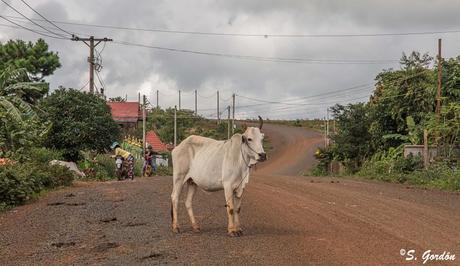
{"x":172,"y":215}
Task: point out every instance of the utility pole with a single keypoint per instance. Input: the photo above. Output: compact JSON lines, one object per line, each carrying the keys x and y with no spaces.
{"x":143,"y":124}
{"x":196,"y":101}
{"x":157,"y":101}
{"x":327,"y":128}
{"x":139,"y":97}
{"x":228,"y":123}
{"x":438,"y":95}
{"x":91,"y":46}
{"x":218,"y":111}
{"x":175,"y":126}
{"x":179,"y":99}
{"x":233,"y":113}
{"x":325,"y":133}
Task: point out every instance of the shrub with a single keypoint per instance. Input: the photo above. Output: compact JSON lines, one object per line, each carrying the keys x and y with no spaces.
{"x":99,"y":167}
{"x":21,"y":182}
{"x":438,"y":175}
{"x":44,"y":155}
{"x":163,"y":171}
{"x":107,"y":163}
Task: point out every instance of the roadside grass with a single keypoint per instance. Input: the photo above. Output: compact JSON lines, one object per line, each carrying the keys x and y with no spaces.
{"x":437,"y":176}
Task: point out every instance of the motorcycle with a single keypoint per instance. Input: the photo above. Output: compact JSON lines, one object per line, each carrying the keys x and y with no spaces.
{"x":120,"y":167}
{"x":148,"y":170}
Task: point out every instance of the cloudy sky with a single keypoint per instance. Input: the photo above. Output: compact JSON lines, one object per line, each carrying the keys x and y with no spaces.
{"x":305,"y":87}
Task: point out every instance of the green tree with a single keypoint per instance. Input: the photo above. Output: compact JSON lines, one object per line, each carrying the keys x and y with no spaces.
{"x":399,"y":94}
{"x":451,"y":80}
{"x":80,"y":121}
{"x":351,"y":143}
{"x":20,"y":126}
{"x":33,"y":57}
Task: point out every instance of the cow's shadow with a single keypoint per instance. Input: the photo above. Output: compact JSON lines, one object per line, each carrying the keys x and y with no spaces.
{"x":248,"y":231}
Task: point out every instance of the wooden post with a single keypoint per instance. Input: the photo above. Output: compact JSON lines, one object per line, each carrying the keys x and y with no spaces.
{"x":228,"y":123}
{"x":438,"y":93}
{"x":143,"y":123}
{"x":426,"y":154}
{"x":175,"y":126}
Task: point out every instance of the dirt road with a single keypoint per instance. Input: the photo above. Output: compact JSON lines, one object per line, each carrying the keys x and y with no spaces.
{"x":287,"y":219}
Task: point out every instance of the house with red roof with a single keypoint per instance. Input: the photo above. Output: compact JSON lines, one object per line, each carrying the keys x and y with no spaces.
{"x":126,"y":114}
{"x":151,"y":138}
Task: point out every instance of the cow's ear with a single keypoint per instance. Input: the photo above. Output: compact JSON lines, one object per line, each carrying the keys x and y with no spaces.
{"x":243,"y":138}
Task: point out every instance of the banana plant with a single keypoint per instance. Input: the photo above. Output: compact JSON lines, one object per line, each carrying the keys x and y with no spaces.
{"x":20,"y":126}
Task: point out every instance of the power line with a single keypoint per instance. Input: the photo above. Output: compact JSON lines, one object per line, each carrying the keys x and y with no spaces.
{"x":264,"y":102}
{"x":52,"y":23}
{"x":31,"y":30}
{"x":267,"y":35}
{"x":263,"y":59}
{"x":33,"y":22}
{"x":266,"y":59}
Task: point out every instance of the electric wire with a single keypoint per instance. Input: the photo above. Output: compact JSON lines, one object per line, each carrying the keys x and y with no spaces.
{"x":33,"y":22}
{"x":43,"y":17}
{"x":263,"y":35}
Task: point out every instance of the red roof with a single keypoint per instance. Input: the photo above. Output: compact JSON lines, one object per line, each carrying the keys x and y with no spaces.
{"x":152,"y":139}
{"x":125,"y":111}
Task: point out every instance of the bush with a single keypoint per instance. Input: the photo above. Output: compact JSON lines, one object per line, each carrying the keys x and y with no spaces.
{"x":163,"y":171}
{"x":21,"y":182}
{"x":99,"y":167}
{"x":436,"y":176}
{"x":44,"y":155}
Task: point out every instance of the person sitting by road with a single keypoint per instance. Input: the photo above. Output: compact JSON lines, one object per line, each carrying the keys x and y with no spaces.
{"x":149,"y":159}
{"x":127,"y":156}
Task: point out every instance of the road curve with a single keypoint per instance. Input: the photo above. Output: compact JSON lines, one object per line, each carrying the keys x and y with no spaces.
{"x":288,"y":220}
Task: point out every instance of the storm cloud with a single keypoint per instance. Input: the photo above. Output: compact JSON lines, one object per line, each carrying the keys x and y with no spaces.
{"x":128,"y":70}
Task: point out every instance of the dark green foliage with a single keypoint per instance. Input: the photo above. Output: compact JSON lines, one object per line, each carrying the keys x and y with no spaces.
{"x":42,"y":155}
{"x":451,"y":80}
{"x":370,"y":137}
{"x":20,"y":127}
{"x":325,"y":157}
{"x":400,"y":94}
{"x":351,"y":143}
{"x":34,"y":57}
{"x":99,"y":167}
{"x":447,"y":129}
{"x":21,"y":182}
{"x":80,"y":121}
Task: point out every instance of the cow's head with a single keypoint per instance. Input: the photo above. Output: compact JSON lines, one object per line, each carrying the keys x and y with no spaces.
{"x":253,"y":143}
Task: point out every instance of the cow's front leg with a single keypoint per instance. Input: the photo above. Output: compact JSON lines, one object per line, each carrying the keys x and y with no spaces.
{"x":237,"y":200}
{"x":229,"y":195}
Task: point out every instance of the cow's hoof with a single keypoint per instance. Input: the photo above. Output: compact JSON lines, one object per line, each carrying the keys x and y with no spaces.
{"x":235,"y":233}
{"x":239,"y":232}
{"x":196,"y":228}
{"x":176,"y":230}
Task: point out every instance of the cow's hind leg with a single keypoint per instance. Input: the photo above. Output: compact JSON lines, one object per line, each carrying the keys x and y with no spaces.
{"x":191,"y":188}
{"x":177,"y":189}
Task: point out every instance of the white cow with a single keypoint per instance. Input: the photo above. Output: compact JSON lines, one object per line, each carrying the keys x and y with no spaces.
{"x":215,"y":165}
